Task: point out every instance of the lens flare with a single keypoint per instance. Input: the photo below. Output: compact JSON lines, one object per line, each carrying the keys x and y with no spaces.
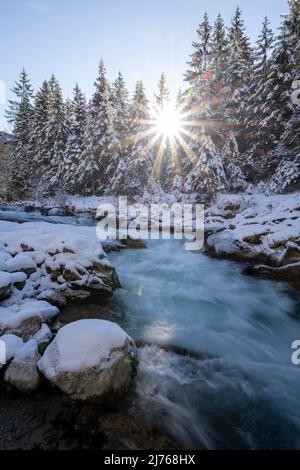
{"x":168,"y":122}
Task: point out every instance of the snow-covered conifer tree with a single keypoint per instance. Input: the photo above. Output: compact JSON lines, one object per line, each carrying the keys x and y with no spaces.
{"x":200,"y":58}
{"x":238,"y":71}
{"x":134,"y":172}
{"x":218,"y":52}
{"x":75,"y":142}
{"x":20,"y":116}
{"x":55,"y":133}
{"x":101,"y":148}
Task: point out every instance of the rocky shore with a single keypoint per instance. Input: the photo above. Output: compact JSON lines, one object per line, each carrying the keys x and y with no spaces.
{"x":262,"y":232}
{"x":43,"y":267}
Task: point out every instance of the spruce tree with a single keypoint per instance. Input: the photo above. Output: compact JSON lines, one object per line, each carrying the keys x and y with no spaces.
{"x":75,"y":142}
{"x":134,"y":173}
{"x":55,"y":132}
{"x":121,"y":115}
{"x":238,"y":73}
{"x":254,"y":100}
{"x":101,"y":148}
{"x":40,"y":158}
{"x":219,"y":51}
{"x":263,"y":48}
{"x":20,"y":116}
{"x":163,"y":96}
{"x":239,"y":53}
{"x":287,"y":174}
{"x":200,"y":58}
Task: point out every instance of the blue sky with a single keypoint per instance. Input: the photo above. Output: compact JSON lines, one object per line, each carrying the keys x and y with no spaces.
{"x":140,"y":37}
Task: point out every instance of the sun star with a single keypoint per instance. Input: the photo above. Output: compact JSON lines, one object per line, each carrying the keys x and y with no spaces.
{"x":168,"y":122}
{"x":172,"y":128}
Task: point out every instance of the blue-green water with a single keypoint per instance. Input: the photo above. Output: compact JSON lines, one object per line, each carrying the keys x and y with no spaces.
{"x":238,"y":388}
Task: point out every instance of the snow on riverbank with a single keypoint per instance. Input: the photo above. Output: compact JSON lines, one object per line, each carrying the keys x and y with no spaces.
{"x":53,"y":262}
{"x":41,"y":267}
{"x":257,"y":228}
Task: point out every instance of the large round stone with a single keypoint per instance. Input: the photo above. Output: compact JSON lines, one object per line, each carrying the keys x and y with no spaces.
{"x":91,"y":360}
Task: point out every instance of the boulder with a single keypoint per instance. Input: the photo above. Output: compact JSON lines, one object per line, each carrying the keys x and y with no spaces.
{"x":19,"y":280}
{"x":21,"y":262}
{"x":91,"y":360}
{"x":22,"y":372}
{"x":24,"y":325}
{"x":133,"y":243}
{"x":289,"y":272}
{"x":53,"y":297}
{"x":26,"y":320}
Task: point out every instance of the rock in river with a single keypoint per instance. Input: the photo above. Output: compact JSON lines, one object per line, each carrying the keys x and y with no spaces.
{"x":91,"y":360}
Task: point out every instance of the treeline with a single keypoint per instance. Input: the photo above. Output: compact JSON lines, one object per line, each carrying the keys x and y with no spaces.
{"x":241,"y":124}
{"x":76,"y":146}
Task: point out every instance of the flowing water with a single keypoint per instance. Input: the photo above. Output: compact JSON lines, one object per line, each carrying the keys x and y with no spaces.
{"x":215,"y":368}
{"x":215,"y":346}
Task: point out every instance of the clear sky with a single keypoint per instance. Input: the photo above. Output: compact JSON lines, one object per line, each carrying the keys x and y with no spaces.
{"x":142,"y":38}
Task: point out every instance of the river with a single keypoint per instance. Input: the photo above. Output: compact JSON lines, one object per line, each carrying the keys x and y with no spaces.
{"x":216,"y":369}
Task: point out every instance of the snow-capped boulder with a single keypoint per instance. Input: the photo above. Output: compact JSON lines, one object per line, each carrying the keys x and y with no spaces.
{"x":22,"y":324}
{"x":22,"y":372}
{"x":53,"y":297}
{"x":90,"y":360}
{"x":19,"y":280}
{"x":26,"y":320}
{"x":6,"y":281}
{"x":21,"y":262}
